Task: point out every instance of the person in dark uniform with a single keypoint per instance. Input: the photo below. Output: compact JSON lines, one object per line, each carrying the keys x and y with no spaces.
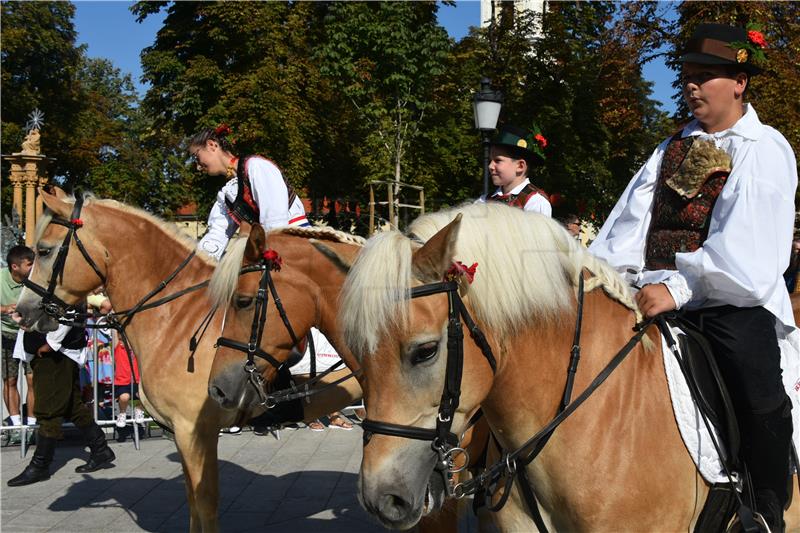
{"x":54,"y":358}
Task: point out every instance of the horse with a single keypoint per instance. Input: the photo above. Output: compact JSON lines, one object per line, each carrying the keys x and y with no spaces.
{"x":134,"y":252}
{"x":618,"y":463}
{"x":308,"y":290}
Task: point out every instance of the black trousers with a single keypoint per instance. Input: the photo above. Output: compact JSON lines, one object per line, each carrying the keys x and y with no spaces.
{"x":746,"y":349}
{"x":57,"y":393}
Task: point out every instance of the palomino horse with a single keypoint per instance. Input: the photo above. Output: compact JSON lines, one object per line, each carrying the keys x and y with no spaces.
{"x":309,"y":294}
{"x":617,"y":464}
{"x":135,"y":252}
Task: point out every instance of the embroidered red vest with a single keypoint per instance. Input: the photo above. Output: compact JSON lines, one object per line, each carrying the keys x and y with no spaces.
{"x":245,"y":208}
{"x":680,"y":220}
{"x":521,"y":198}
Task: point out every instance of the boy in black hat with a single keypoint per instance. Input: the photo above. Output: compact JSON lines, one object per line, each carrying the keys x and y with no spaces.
{"x":513,"y":153}
{"x":706,"y":227}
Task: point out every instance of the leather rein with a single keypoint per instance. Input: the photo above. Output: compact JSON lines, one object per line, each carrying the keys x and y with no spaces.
{"x":446,"y":444}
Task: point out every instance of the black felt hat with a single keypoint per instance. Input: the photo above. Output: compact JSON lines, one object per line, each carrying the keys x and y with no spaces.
{"x":720,"y":44}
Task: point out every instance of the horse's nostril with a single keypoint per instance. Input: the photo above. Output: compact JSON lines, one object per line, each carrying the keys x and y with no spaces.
{"x":217,"y":394}
{"x":395,"y":508}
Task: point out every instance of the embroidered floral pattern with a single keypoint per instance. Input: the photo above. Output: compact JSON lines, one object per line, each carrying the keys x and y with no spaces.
{"x":679,"y":224}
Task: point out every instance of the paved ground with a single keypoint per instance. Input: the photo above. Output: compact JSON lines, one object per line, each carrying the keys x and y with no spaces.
{"x":305,"y":482}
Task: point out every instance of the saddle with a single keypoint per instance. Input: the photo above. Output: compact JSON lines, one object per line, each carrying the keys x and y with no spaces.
{"x":714,"y":402}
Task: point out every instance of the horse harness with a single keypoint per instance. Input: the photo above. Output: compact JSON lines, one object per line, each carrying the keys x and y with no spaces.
{"x":66,"y":314}
{"x":252,"y":348}
{"x":446,"y":444}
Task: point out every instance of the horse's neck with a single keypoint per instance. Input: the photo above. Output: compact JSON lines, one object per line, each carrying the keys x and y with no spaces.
{"x":329,"y":281}
{"x":141,"y":260}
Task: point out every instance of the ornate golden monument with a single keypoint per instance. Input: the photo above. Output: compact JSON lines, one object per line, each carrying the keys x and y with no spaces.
{"x":27,"y":172}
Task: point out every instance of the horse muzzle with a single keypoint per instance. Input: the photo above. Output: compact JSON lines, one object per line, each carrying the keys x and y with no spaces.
{"x":231,"y":389}
{"x":33,"y":316}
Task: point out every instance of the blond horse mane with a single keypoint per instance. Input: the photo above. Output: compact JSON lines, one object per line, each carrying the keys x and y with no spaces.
{"x":226,"y":275}
{"x":169,"y":228}
{"x":528,"y":268}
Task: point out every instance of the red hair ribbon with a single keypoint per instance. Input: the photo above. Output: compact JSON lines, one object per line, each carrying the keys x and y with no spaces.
{"x":223,"y":130}
{"x":274,"y":261}
{"x":76,"y":222}
{"x":459,"y":269}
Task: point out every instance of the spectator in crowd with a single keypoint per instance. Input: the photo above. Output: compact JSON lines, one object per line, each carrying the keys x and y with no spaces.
{"x":573,"y":225}
{"x":20,"y":261}
{"x":794,"y":265}
{"x":125,"y":384}
{"x":55,"y":358}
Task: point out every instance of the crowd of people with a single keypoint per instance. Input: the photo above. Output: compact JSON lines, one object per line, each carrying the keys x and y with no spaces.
{"x":705,"y":227}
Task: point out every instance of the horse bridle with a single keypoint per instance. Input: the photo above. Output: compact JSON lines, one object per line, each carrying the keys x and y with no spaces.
{"x":443,"y":441}
{"x":270,"y":399}
{"x":51,"y":304}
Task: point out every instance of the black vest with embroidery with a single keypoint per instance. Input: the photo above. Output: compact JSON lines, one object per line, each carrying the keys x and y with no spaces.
{"x":521,"y":198}
{"x":244,"y":207}
{"x":690,"y":180}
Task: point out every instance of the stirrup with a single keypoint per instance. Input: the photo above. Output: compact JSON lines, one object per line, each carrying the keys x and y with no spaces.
{"x":736,"y":525}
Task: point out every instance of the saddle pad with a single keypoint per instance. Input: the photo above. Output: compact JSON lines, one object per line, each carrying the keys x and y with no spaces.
{"x":693,"y":430}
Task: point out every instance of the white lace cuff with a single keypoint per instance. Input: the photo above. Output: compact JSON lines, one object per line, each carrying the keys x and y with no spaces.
{"x":678,"y":289}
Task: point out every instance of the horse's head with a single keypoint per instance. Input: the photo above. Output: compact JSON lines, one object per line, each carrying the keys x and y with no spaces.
{"x":69,"y":262}
{"x":401,"y":340}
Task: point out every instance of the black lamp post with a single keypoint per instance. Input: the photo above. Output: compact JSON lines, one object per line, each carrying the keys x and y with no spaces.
{"x":486,"y":107}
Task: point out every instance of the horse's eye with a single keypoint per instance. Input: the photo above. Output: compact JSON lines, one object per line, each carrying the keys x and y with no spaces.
{"x":43,"y":252}
{"x":424,"y":352}
{"x":242,"y":301}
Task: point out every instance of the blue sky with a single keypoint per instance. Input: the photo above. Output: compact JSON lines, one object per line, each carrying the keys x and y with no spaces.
{"x":111,"y":31}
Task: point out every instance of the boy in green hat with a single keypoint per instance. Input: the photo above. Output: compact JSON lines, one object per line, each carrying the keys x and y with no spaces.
{"x":513,"y":153}
{"x":706,"y":227}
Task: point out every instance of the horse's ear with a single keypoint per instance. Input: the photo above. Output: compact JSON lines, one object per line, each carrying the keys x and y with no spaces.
{"x":338,"y":261}
{"x":256,"y":244}
{"x":55,"y":202}
{"x":430,"y":262}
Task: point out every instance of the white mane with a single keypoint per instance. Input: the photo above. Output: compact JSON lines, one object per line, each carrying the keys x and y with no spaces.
{"x":528,"y":268}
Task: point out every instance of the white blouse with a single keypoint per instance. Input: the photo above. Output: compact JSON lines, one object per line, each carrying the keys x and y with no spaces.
{"x":741,"y":262}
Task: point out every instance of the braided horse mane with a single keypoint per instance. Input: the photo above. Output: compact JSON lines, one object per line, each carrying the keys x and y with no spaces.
{"x":528,"y":268}
{"x":226,"y":275}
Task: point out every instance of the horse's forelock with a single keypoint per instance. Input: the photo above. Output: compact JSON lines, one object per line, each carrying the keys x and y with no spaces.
{"x":226,"y":275}
{"x":374,"y":296}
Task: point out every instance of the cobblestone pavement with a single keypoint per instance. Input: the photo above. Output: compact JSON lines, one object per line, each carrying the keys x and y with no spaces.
{"x":304,"y":482}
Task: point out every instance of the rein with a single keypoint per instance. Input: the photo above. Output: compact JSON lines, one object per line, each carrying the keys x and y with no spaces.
{"x":252,"y":348}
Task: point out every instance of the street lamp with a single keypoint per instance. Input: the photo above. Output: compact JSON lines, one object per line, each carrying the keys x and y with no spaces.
{"x":486,"y":107}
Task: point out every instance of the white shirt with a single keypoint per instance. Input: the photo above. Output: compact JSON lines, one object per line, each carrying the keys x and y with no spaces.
{"x":749,"y":241}
{"x":536,"y":203}
{"x":54,"y":340}
{"x":271,"y":196}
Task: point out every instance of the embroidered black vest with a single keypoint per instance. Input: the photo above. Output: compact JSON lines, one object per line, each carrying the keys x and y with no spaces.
{"x":682,"y":204}
{"x":521,"y":198}
{"x":244,"y":207}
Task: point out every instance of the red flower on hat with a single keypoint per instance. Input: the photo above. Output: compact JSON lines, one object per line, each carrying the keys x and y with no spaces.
{"x":273,"y":259}
{"x":757,"y":38}
{"x":540,"y":139}
{"x":222,"y":130}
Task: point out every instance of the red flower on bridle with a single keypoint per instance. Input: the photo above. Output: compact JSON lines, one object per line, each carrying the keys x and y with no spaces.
{"x":76,"y":222}
{"x":459,"y":269}
{"x":273,"y":260}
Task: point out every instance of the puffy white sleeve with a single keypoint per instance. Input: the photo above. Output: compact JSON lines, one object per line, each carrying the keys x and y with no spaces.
{"x":221,"y":226}
{"x":750,"y":233}
{"x":622,"y":238}
{"x":269,"y":192}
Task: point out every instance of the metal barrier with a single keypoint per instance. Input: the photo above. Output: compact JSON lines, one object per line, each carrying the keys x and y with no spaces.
{"x":93,"y":356}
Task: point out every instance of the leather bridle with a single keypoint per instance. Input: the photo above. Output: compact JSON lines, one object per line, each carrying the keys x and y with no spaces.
{"x":51,"y":304}
{"x":443,"y":441}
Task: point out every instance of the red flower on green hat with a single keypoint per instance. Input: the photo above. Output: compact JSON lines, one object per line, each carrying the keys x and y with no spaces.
{"x":757,"y":38}
{"x":540,"y":139}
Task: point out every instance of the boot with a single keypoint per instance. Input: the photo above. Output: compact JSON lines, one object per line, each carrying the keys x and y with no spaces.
{"x":39,"y":467}
{"x":101,"y":454}
{"x":768,"y":455}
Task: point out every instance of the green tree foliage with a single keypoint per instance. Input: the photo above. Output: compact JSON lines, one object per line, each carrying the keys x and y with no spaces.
{"x":774,"y":92}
